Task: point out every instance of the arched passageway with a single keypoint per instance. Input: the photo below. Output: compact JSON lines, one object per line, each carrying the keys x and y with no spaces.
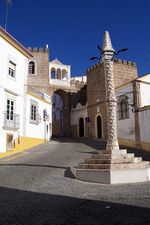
{"x":60,"y":113}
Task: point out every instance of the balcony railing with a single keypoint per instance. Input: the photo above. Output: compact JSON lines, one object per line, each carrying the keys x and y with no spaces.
{"x":11,"y":122}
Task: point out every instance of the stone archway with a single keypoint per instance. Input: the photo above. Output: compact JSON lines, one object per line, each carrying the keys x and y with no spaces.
{"x":61,"y":127}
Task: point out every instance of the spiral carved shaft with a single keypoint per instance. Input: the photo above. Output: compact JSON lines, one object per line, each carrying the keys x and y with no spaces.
{"x":111,"y":103}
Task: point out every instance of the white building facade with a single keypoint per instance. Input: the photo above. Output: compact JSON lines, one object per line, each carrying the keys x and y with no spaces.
{"x":38,"y":116}
{"x":13,"y":70}
{"x":25,"y":117}
{"x":134,"y":113}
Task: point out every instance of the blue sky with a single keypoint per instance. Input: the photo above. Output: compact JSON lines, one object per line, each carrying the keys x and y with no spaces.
{"x":73,"y":28}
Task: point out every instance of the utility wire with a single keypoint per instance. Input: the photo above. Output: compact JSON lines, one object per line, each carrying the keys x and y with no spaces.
{"x":8,"y":3}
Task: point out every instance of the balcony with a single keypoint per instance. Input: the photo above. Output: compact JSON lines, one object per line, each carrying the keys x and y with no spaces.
{"x":61,"y":83}
{"x":11,"y":121}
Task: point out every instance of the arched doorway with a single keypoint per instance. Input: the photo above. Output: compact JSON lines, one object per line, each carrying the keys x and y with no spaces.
{"x":57,"y":116}
{"x":81,"y":127}
{"x":99,"y":126}
{"x":60,"y":113}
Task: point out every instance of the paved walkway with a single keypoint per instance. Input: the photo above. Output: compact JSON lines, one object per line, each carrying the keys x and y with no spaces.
{"x":37,"y":188}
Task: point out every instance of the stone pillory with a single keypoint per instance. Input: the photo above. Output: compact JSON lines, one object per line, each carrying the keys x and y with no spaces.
{"x":111,"y":101}
{"x":112,"y":166}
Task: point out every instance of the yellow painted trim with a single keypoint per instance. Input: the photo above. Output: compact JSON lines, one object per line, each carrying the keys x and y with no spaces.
{"x":25,"y":143}
{"x":15,"y":46}
{"x":15,"y":157}
{"x":131,"y":143}
{"x":41,"y":99}
{"x":127,"y":142}
{"x":145,"y":146}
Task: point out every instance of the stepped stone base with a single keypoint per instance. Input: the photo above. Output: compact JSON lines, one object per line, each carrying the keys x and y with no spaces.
{"x":116,"y":167}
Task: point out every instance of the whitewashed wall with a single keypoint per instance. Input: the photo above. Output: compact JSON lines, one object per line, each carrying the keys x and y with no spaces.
{"x":144,"y":121}
{"x":77,"y":113}
{"x":145,"y":94}
{"x":62,"y":82}
{"x":126,"y":127}
{"x":8,"y":85}
{"x":34,"y":130}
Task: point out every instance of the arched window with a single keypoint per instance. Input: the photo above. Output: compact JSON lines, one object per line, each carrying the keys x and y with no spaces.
{"x":53,"y":73}
{"x":59,"y":74}
{"x":64,"y":74}
{"x":123,"y":107}
{"x":31,"y":68}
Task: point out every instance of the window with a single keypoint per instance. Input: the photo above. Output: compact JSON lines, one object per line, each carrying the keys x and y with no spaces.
{"x":31,"y":68}
{"x":53,"y":73}
{"x":64,"y":74}
{"x":123,"y":107}
{"x":34,"y":112}
{"x":10,"y":110}
{"x":12,"y":69}
{"x":45,"y":114}
{"x":59,"y":74}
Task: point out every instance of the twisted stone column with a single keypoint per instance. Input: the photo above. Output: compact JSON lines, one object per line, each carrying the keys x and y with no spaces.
{"x":111,"y":102}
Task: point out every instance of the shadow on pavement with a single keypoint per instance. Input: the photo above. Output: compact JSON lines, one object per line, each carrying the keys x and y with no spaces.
{"x":67,"y":172}
{"x":101,"y":145}
{"x":19,"y":207}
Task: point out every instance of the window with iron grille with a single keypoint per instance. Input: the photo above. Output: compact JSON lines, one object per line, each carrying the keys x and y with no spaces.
{"x":34,"y":112}
{"x":10,"y":110}
{"x":12,"y":69}
{"x":123,"y":107}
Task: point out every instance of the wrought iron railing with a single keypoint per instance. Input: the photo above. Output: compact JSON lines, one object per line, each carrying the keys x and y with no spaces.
{"x":11,"y":121}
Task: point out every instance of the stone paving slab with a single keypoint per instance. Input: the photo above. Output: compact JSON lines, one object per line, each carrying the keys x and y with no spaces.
{"x":39,"y":189}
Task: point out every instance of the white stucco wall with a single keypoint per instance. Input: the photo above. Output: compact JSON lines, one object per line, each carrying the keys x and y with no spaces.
{"x":144,"y":121}
{"x":77,"y":113}
{"x":61,"y":67}
{"x":126,"y":127}
{"x":38,"y":130}
{"x":145,"y":94}
{"x":11,"y":87}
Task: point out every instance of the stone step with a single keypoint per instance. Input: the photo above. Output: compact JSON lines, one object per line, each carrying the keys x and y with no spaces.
{"x":137,"y":159}
{"x":113,"y":161}
{"x":114,"y":152}
{"x":142,"y":164}
{"x":109,"y":156}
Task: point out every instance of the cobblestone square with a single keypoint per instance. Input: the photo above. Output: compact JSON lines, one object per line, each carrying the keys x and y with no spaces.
{"x":37,"y":188}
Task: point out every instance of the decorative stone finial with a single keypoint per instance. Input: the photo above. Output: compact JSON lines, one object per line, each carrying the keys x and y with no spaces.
{"x":107,"y":46}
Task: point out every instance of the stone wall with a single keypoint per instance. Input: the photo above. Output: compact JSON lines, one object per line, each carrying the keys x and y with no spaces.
{"x":40,"y":80}
{"x":74,"y":130}
{"x":56,"y":128}
{"x":124,"y":72}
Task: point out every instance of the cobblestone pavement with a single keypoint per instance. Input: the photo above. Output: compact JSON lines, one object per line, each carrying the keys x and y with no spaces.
{"x":37,"y":188}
